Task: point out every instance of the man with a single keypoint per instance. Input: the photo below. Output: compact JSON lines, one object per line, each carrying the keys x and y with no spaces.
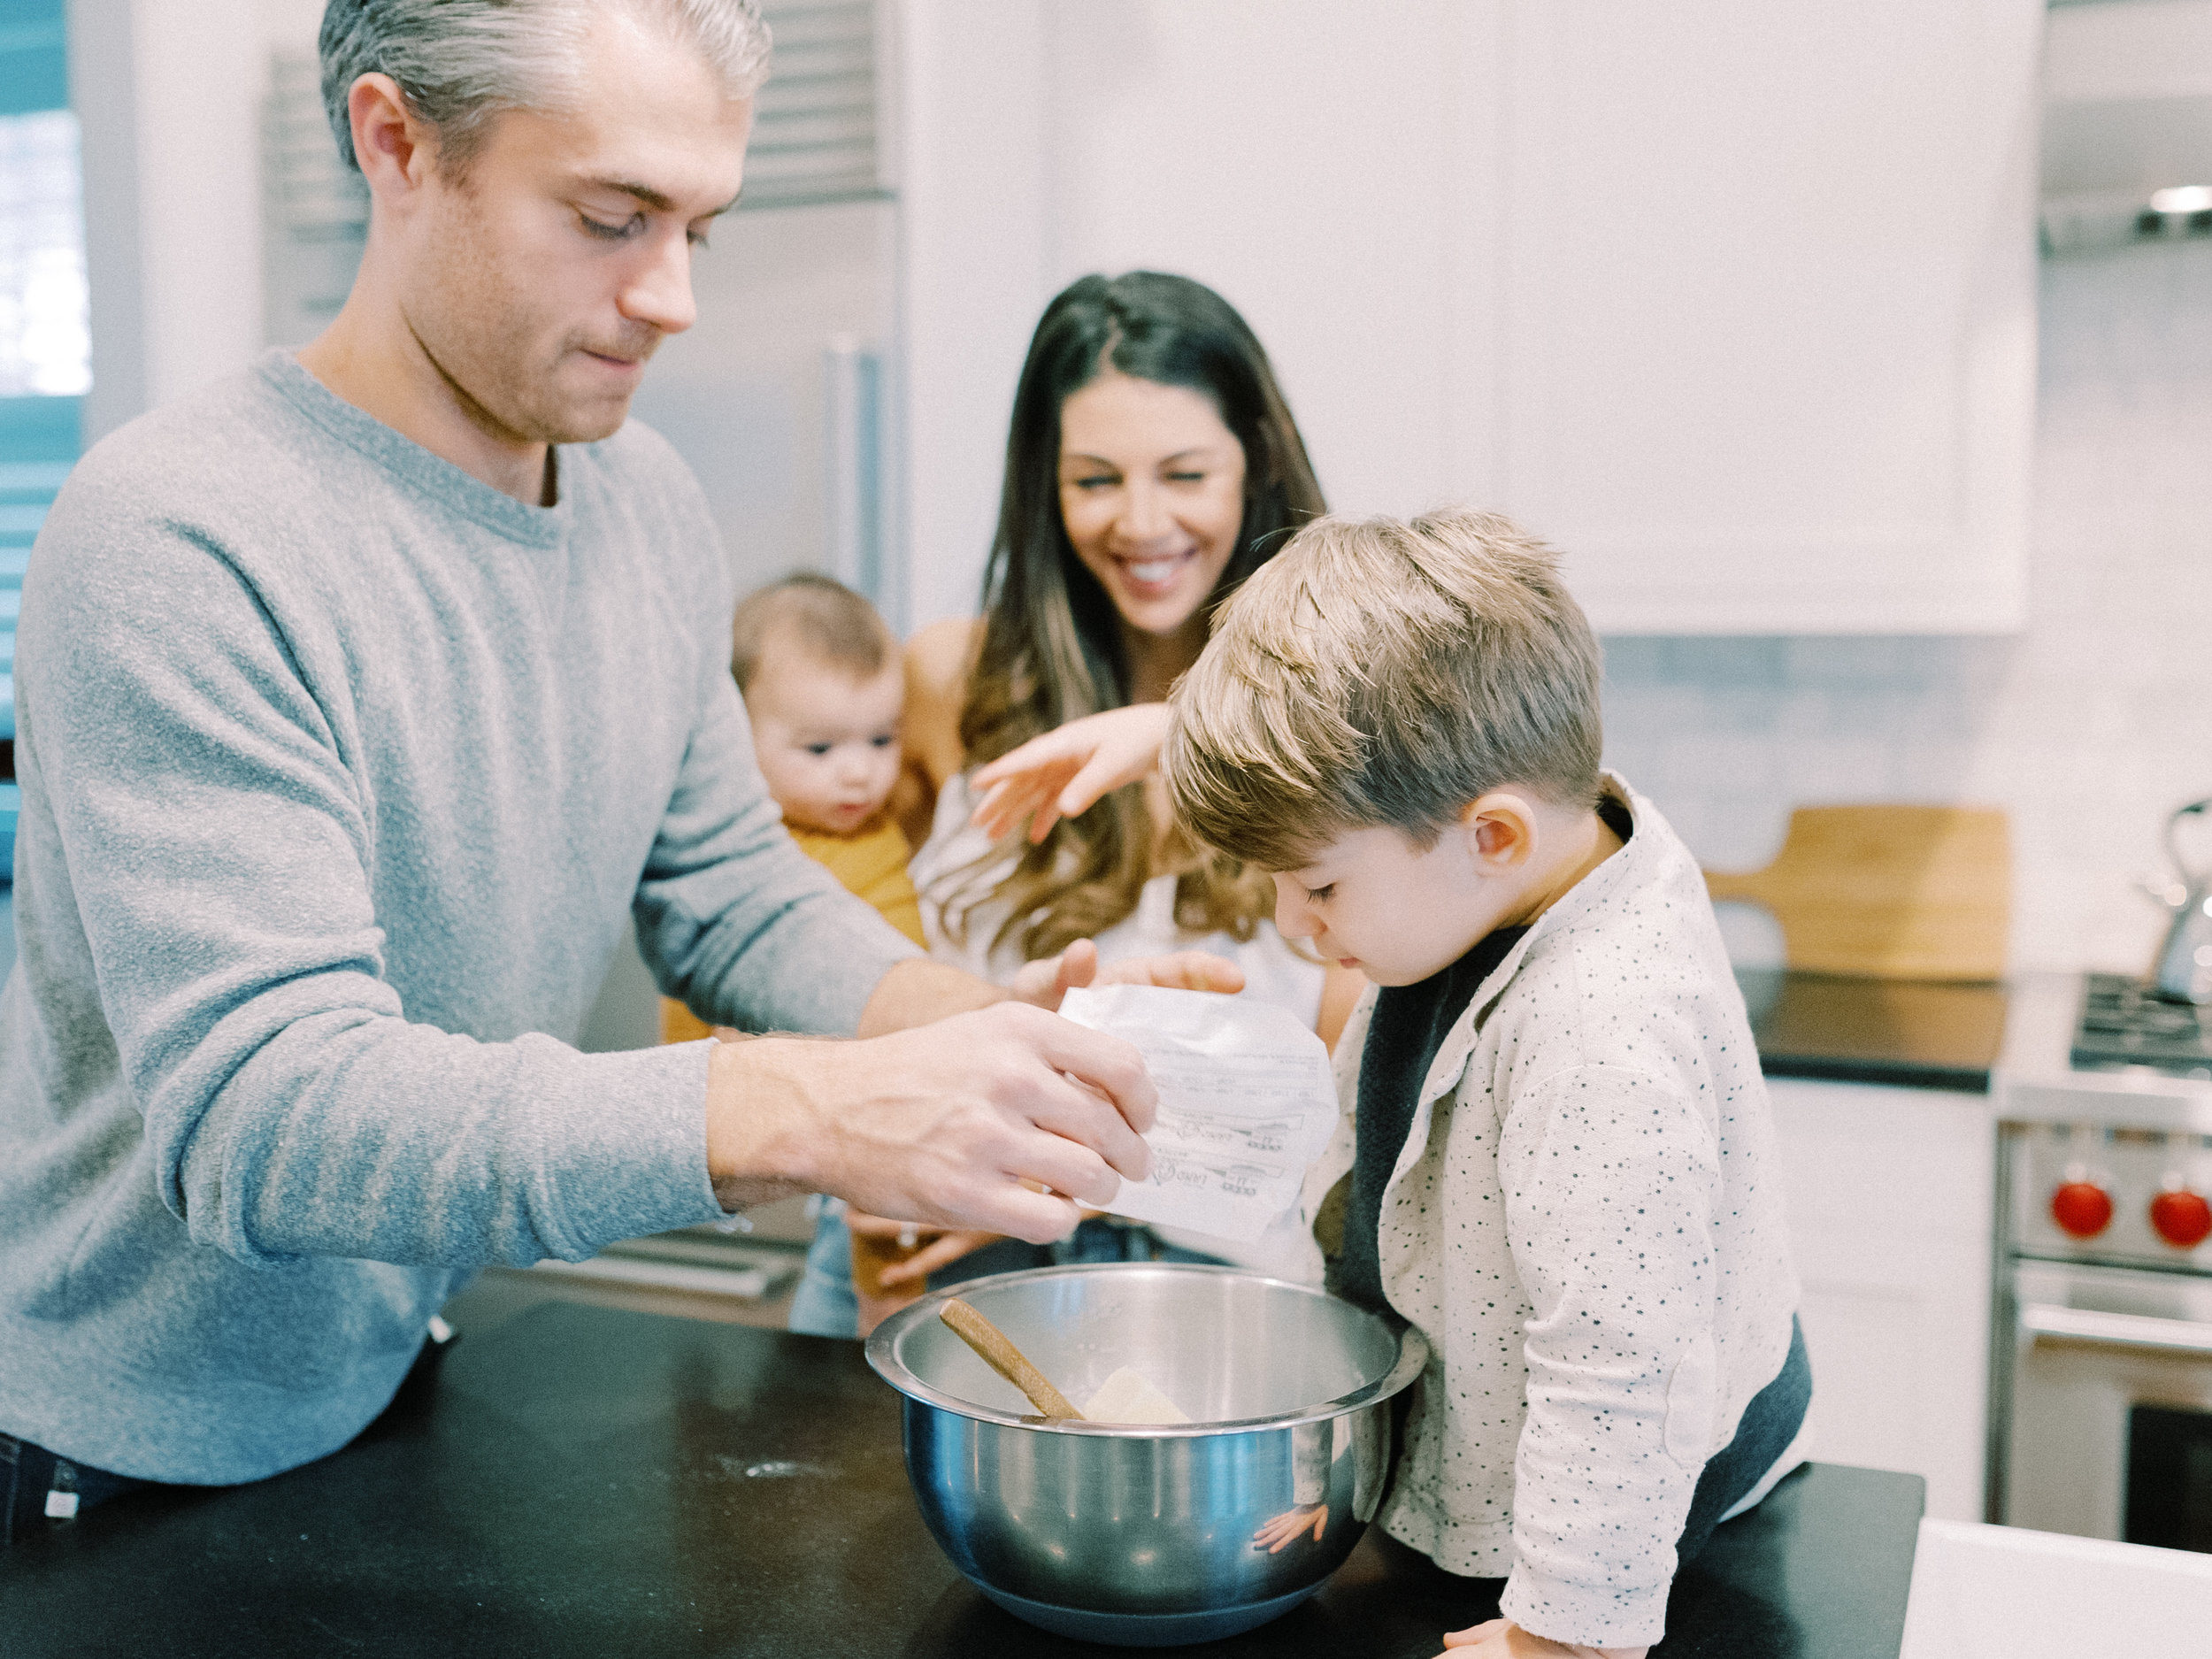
{"x":360,"y":697}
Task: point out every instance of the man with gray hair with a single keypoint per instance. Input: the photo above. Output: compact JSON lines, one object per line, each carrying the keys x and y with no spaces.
{"x":361,"y":698}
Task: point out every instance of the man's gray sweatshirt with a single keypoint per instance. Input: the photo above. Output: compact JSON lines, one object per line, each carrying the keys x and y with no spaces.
{"x":340,"y":770}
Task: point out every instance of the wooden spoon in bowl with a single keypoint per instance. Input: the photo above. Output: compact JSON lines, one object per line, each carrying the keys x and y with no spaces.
{"x":997,"y":1351}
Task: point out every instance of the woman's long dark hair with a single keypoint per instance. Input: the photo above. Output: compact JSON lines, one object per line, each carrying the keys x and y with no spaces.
{"x":1052,"y":642}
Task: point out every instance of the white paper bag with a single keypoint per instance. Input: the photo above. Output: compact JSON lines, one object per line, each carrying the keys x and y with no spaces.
{"x":1246,"y":1103}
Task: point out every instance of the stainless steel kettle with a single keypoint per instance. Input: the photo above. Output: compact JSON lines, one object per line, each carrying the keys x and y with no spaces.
{"x":2183,"y":972}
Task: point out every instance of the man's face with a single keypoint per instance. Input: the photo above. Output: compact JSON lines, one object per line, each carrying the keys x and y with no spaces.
{"x":544,"y":275}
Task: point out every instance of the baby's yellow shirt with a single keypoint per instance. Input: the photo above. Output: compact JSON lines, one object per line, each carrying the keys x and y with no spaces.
{"x":871,"y":862}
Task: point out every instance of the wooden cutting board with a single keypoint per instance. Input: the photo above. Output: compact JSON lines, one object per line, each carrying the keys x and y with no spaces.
{"x":1890,"y":892}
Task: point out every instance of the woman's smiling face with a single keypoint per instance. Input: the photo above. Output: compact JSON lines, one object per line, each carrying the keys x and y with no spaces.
{"x":1152,"y":493}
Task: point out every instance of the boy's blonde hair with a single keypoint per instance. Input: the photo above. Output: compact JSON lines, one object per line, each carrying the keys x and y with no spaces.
{"x":1384,"y":672}
{"x":827,"y":620}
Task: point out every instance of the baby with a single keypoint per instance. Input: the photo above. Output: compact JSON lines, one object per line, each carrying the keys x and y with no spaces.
{"x":823,"y":684}
{"x":1557,"y":1162}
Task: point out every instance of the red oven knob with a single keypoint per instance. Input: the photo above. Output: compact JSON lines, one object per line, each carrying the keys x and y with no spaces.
{"x":2182,"y":1218}
{"x":2083,"y":1207}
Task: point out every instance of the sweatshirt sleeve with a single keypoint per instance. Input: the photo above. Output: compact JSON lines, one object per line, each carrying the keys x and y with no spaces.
{"x":216,"y":850}
{"x":735,"y":920}
{"x":1611,"y":1180}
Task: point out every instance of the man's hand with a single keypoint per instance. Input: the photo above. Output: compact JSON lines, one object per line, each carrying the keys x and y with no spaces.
{"x":1044,"y":983}
{"x":955,"y":1125}
{"x":1502,"y":1639}
{"x":1068,"y":770}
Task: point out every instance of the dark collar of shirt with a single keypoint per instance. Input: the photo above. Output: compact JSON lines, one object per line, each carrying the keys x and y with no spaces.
{"x":1408,"y":1027}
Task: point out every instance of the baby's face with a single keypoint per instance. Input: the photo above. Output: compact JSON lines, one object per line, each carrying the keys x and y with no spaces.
{"x":827,"y":741}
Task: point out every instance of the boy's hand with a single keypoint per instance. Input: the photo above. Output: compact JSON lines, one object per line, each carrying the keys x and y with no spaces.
{"x":1280,"y":1530}
{"x":1044,"y":983}
{"x":938,"y":1247}
{"x":1502,"y":1639}
{"x":1070,"y":769}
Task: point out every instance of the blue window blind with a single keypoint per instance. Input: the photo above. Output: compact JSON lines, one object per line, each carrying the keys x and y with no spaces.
{"x":45,"y":353}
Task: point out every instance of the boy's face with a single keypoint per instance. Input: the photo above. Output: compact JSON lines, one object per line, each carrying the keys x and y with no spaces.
{"x":1373,"y":899}
{"x":827,"y":740}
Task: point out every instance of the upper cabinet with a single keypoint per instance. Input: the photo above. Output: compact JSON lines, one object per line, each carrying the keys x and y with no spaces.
{"x":1769,"y":310}
{"x":1734,"y":303}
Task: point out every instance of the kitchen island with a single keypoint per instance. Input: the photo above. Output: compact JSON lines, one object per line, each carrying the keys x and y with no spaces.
{"x":581,"y":1481}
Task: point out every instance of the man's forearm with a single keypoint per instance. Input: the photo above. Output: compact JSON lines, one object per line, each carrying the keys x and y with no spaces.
{"x":918,"y":992}
{"x":1002,"y":1117}
{"x":749,"y":1160}
{"x":753,"y":1154}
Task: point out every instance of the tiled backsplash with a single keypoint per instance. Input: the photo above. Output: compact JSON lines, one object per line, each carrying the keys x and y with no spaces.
{"x":2088,"y":729}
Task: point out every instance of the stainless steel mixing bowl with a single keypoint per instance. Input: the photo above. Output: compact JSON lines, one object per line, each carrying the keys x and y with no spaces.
{"x":1144,"y":1536}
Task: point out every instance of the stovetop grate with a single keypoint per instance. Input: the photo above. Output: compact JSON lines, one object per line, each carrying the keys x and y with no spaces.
{"x":2124,"y":1025}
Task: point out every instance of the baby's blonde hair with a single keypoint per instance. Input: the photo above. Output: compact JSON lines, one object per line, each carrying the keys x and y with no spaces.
{"x":1384,"y":672}
{"x":824,"y":618}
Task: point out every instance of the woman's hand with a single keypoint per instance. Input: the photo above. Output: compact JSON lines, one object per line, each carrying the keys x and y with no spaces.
{"x":1502,"y":1639}
{"x":1069,"y":770}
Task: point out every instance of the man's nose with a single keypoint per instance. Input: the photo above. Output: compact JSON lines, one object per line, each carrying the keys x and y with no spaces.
{"x":1293,"y":919}
{"x":659,"y":293}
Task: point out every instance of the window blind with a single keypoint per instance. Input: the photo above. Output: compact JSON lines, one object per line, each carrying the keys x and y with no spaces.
{"x":45,"y":348}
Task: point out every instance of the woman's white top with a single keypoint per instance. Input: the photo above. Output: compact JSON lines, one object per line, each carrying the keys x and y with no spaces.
{"x":945,"y":874}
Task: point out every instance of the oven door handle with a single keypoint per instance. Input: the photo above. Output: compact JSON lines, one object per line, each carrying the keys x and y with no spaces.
{"x":2118,"y":1330}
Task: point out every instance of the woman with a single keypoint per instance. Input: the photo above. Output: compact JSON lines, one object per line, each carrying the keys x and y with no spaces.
{"x":1152,"y":465}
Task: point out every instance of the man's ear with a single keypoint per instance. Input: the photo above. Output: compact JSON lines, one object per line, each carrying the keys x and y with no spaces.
{"x":1501,"y":827}
{"x":397,"y":150}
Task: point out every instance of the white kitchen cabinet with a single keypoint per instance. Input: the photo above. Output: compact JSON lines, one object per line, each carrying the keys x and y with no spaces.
{"x":1890,"y":1218}
{"x":1734,"y":303}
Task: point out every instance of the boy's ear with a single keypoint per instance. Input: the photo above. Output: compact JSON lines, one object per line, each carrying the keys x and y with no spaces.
{"x":1502,"y":825}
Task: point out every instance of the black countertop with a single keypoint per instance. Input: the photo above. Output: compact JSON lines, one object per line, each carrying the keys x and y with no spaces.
{"x":579,"y":1481}
{"x":1912,"y":1033}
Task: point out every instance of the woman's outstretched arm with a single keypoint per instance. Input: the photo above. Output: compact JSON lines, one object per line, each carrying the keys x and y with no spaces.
{"x":1066,"y":771}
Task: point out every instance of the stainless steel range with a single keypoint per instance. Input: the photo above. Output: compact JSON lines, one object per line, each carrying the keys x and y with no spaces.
{"x":2100,"y":1359}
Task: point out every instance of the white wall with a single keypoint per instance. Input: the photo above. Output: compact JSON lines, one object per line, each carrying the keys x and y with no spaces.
{"x":199,"y":72}
{"x":177,"y":287}
{"x":2087,"y":727}
{"x":974,"y":177}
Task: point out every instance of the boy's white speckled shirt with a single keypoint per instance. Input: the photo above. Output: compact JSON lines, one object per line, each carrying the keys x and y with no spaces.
{"x":1585,"y":1222}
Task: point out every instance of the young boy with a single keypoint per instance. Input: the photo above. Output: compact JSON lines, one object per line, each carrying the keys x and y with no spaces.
{"x":1556,"y":1161}
{"x":824,"y":685}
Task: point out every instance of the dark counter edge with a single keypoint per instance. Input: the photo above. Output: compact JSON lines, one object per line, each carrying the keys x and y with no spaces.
{"x":1826,"y":1068}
